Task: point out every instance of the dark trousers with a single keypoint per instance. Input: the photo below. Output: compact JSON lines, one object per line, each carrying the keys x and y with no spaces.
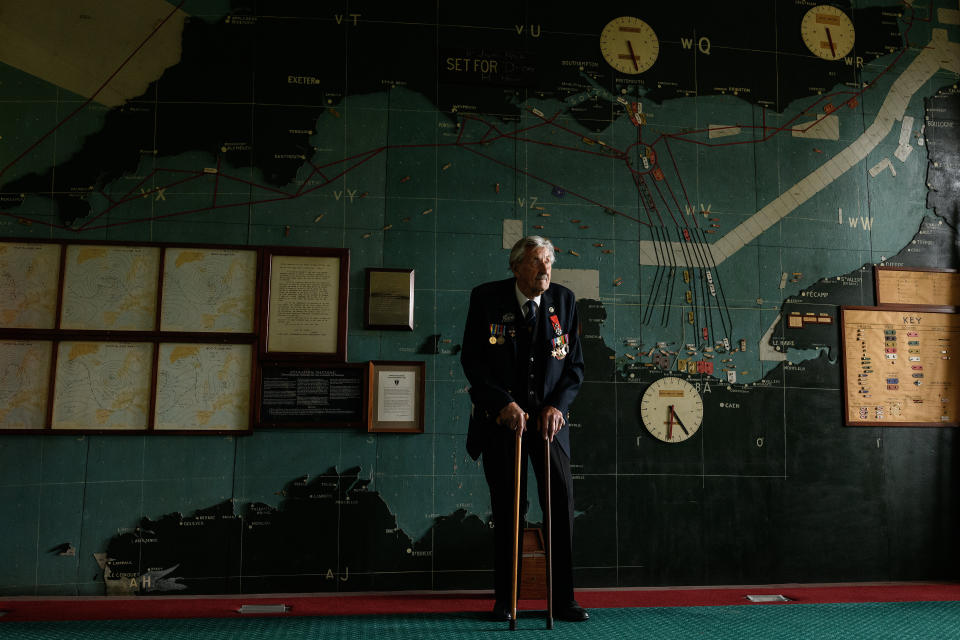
{"x":498,"y":469}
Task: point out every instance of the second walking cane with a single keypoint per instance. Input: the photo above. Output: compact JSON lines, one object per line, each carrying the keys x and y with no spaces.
{"x":517,"y":460}
{"x":548,"y":530}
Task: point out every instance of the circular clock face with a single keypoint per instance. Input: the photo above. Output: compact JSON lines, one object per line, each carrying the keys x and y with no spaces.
{"x":671,"y":409}
{"x":629,"y":45}
{"x":827,"y":32}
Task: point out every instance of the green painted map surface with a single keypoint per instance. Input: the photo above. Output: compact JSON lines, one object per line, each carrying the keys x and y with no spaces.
{"x":712,"y":213}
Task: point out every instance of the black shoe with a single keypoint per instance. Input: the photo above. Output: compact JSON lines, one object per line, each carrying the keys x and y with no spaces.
{"x":572,"y":613}
{"x":501,"y":612}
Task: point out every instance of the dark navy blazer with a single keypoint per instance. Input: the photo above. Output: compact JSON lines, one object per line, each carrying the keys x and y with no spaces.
{"x":492,"y":369}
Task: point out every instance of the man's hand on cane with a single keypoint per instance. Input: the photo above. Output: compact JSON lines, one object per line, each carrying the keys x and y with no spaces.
{"x":551,"y":421}
{"x":514,"y":417}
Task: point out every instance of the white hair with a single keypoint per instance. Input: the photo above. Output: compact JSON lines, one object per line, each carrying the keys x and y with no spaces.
{"x":521,"y":246}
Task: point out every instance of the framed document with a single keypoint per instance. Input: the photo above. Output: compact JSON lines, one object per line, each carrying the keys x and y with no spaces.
{"x":898,"y":366}
{"x":208,"y":289}
{"x":24,"y":383}
{"x":102,"y":386}
{"x":306,"y":302}
{"x":396,"y":397}
{"x":938,"y":288}
{"x":110,"y":287}
{"x":389,"y":301}
{"x":300,"y":394}
{"x":203,"y":387}
{"x":29,"y":284}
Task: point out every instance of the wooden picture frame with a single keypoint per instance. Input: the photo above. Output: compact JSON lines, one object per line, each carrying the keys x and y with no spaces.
{"x":85,"y":345}
{"x":898,"y":367}
{"x":25,"y":378}
{"x":208,"y":290}
{"x":936,"y":289}
{"x":388,"y":303}
{"x":304,"y":303}
{"x":102,"y":386}
{"x":203,"y":387}
{"x":396,"y":396}
{"x":35,"y":268}
{"x":151,"y":386}
{"x":128,"y":301}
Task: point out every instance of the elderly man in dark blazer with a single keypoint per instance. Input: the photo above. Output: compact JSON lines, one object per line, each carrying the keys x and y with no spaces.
{"x":521,"y":354}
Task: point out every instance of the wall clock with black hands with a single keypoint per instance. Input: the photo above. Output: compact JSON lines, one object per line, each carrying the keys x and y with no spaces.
{"x":629,"y":45}
{"x":828,"y":32}
{"x":671,"y":410}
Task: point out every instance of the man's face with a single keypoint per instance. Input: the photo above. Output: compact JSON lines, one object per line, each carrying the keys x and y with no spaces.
{"x":533,"y":272}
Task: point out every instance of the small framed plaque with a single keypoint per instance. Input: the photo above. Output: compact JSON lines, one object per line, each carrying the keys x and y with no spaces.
{"x":306,"y":302}
{"x":396,"y":392}
{"x":389,"y":301}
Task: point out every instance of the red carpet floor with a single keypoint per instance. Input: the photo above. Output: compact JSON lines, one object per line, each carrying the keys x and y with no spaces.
{"x":22,"y":609}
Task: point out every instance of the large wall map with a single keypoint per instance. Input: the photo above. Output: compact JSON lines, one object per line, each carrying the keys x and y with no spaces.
{"x":728,"y":199}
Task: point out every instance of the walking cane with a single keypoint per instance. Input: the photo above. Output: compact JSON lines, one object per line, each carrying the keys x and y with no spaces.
{"x":548,"y":525}
{"x":517,"y":459}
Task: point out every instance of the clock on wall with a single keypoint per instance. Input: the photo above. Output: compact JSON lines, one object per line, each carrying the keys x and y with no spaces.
{"x":671,"y":409}
{"x":629,"y":45}
{"x":827,"y":31}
